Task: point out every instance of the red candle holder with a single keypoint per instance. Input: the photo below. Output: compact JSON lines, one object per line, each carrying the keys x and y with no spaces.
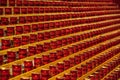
{"x":45,"y":59}
{"x":60,"y":66}
{"x":16,"y":10}
{"x":16,"y":69}
{"x":4,"y":21}
{"x":11,"y":56}
{"x":40,"y":36}
{"x":53,"y":44}
{"x":31,"y":50}
{"x":24,"y":10}
{"x":67,"y":76}
{"x":6,"y":43}
{"x":1,"y":32}
{"x":5,"y":73}
{"x":1,"y":11}
{"x":59,"y":54}
{"x":53,"y":70}
{"x":35,"y":19}
{"x":25,"y":40}
{"x":37,"y":62}
{"x":65,"y":52}
{"x":46,"y":26}
{"x":46,"y":35}
{"x":28,"y":65}
{"x":13,"y":20}
{"x":16,"y":41}
{"x":29,"y":19}
{"x":66,"y":64}
{"x":53,"y":57}
{"x":22,"y":53}
{"x":73,"y":74}
{"x":36,"y":10}
{"x":1,"y":59}
{"x":35,"y":76}
{"x":45,"y":73}
{"x":46,"y":46}
{"x":22,"y":19}
{"x":19,"y":29}
{"x":8,"y":10}
{"x":52,"y":34}
{"x":34,"y":27}
{"x":39,"y":49}
{"x":27,"y":28}
{"x":33,"y":38}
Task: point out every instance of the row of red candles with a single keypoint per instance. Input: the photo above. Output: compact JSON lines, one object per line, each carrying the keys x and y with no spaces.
{"x":114,"y":75}
{"x":29,"y":19}
{"x":31,"y":10}
{"x":99,"y":74}
{"x":47,"y":3}
{"x":74,"y":74}
{"x":38,"y":27}
{"x":22,"y":53}
{"x":60,"y":67}
{"x":6,"y":43}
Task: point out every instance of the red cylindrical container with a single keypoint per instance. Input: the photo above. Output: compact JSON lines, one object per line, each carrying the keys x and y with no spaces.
{"x":16,"y":41}
{"x":4,"y":73}
{"x":67,"y":76}
{"x":59,"y":54}
{"x":10,"y":31}
{"x":84,"y":69}
{"x":37,"y":62}
{"x":53,"y":44}
{"x":22,"y":53}
{"x":45,"y":59}
{"x":53,"y":70}
{"x":46,"y":46}
{"x":25,"y":40}
{"x":25,"y":78}
{"x":16,"y":69}
{"x":89,"y":66}
{"x":19,"y":29}
{"x":52,"y":34}
{"x":79,"y":71}
{"x":27,"y":29}
{"x":33,"y":38}
{"x":40,"y":36}
{"x":53,"y":57}
{"x":59,"y":43}
{"x":46,"y":35}
{"x":45,"y":74}
{"x":77,"y":59}
{"x":60,"y":66}
{"x":66,"y":64}
{"x":71,"y":50}
{"x":31,"y":50}
{"x":6,"y":43}
{"x":64,"y":42}
{"x":72,"y":61}
{"x":11,"y":56}
{"x":73,"y":74}
{"x":1,"y":59}
{"x":39,"y":49}
{"x":28,"y":65}
{"x":1,"y":32}
{"x":35,"y":76}
{"x":65,"y":52}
